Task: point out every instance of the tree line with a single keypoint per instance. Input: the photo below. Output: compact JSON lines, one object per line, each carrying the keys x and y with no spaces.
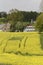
{"x":18,"y":19}
{"x":24,"y":16}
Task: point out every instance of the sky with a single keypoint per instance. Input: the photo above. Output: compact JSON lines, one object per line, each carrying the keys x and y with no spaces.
{"x":24,"y":5}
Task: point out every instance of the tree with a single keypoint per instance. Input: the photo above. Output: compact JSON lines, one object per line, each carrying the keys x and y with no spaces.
{"x":3,"y":14}
{"x":39,"y":23}
{"x":19,"y":26}
{"x":14,"y":16}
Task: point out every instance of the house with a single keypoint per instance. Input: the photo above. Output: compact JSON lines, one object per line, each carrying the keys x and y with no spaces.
{"x":29,"y":29}
{"x":5,"y":27}
{"x":1,"y":26}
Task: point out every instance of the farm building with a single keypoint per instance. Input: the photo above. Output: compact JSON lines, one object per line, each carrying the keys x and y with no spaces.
{"x":5,"y":27}
{"x":29,"y":29}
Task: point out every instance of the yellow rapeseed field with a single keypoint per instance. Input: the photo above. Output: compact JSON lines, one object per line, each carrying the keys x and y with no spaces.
{"x":20,"y":48}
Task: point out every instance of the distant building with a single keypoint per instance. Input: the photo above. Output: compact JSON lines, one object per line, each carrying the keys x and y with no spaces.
{"x":1,"y":27}
{"x":29,"y":29}
{"x":5,"y":27}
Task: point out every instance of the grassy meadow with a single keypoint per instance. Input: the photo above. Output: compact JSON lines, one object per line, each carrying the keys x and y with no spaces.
{"x":21,"y":48}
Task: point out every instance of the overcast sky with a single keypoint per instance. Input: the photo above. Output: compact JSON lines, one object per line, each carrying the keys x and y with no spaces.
{"x":27,"y":5}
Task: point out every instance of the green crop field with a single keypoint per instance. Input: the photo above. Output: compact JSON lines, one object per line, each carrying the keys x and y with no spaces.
{"x":21,"y":48}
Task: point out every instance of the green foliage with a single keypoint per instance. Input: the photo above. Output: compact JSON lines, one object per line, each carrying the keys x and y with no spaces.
{"x":3,"y":20}
{"x":28,"y":16}
{"x":41,"y":40}
{"x":15,"y":15}
{"x":3,"y":14}
{"x":39,"y":23}
{"x":19,"y":26}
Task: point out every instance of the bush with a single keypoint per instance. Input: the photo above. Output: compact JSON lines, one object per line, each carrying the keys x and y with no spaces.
{"x":3,"y":20}
{"x":39,"y":23}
